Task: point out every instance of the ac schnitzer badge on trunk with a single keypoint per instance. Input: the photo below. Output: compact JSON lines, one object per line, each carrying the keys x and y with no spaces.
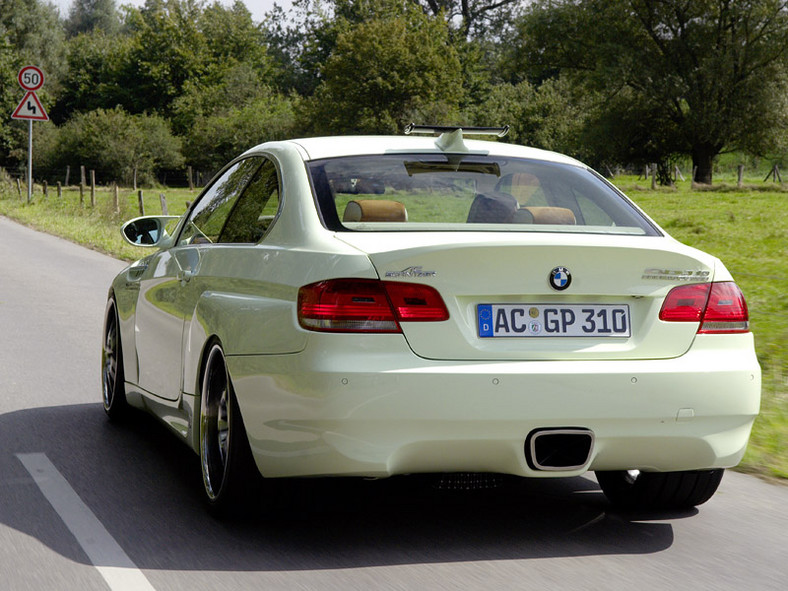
{"x":411,"y":272}
{"x":560,"y":278}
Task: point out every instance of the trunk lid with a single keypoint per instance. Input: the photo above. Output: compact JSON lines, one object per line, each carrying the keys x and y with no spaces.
{"x":608,"y":310}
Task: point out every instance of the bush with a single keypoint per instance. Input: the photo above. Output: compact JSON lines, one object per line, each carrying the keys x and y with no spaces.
{"x":115,"y":144}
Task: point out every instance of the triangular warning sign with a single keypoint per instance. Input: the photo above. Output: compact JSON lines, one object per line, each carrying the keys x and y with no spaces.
{"x":30,"y":108}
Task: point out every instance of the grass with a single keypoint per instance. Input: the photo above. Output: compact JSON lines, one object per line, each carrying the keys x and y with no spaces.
{"x":748,"y":229}
{"x":745,"y":227}
{"x":95,"y":227}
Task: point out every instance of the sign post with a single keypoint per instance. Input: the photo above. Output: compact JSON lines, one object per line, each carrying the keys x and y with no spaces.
{"x":30,"y":78}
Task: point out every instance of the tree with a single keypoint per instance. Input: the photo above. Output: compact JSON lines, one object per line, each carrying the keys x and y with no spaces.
{"x":32,"y":29}
{"x":167,"y":50}
{"x":549,"y":116}
{"x":710,"y":74}
{"x":96,"y":77}
{"x":475,"y":18}
{"x":86,"y":16}
{"x":30,"y":33}
{"x":301,"y":40}
{"x":214,"y":139}
{"x":180,"y":43}
{"x":383,"y":74}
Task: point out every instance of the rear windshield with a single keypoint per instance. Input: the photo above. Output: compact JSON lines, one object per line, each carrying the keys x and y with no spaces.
{"x":462,"y":192}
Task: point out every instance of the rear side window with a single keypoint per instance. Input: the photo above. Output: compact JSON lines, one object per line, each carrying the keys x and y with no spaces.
{"x":468,"y":192}
{"x":208,"y":216}
{"x":255,"y":210}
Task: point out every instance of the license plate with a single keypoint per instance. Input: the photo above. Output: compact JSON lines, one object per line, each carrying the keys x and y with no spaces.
{"x":548,"y":320}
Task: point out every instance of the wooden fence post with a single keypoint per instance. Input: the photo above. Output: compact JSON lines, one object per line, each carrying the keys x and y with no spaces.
{"x":92,"y":188}
{"x":44,"y":188}
{"x":775,"y":174}
{"x":653,"y":177}
{"x":740,"y":174}
{"x":190,"y":178}
{"x":163,"y":201}
{"x":81,"y":186}
{"x":116,"y":202}
{"x":59,"y":190}
{"x":141,"y":202}
{"x":68,"y":174}
{"x":19,"y":188}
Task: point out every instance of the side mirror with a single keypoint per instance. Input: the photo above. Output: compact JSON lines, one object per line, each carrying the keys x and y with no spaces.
{"x":147,"y":231}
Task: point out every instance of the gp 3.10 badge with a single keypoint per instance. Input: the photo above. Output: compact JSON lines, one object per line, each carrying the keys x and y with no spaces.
{"x":560,"y":278}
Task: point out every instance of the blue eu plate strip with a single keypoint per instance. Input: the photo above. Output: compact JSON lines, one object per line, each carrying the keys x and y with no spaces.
{"x":484,"y":315}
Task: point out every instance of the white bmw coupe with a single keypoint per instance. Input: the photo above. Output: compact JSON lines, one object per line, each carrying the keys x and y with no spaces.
{"x":378,"y":306}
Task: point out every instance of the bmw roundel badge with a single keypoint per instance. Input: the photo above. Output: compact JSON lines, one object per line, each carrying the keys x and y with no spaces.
{"x":560,"y":278}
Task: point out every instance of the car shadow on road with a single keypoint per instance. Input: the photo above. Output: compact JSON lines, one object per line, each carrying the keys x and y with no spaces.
{"x":144,"y":487}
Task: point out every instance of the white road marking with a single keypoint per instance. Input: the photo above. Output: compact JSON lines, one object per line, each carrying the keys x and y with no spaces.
{"x":120,"y":573}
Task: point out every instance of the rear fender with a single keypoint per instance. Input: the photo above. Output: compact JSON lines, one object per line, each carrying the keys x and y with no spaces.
{"x":244,"y":324}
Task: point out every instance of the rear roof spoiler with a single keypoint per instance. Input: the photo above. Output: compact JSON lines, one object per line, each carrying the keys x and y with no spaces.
{"x":450,"y":139}
{"x":470,"y":130}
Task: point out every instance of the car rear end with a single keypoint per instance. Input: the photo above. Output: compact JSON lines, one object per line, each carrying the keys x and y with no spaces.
{"x":521,"y":316}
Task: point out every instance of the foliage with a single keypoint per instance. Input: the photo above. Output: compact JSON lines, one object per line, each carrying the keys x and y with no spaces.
{"x":29,"y":34}
{"x":384,"y":73}
{"x":179,"y":44}
{"x":709,"y":74}
{"x":32,"y":29}
{"x":546,"y":117}
{"x":96,"y":74}
{"x":660,"y":81}
{"x":115,"y":144}
{"x":215,"y":139}
{"x":474,"y":18}
{"x":86,"y":16}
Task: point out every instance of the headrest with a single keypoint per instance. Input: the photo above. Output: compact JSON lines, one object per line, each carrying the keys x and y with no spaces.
{"x":552,"y":215}
{"x":492,"y":208}
{"x":522,"y":185}
{"x":375,"y":210}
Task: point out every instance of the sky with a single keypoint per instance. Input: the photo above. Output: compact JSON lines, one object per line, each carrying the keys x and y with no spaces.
{"x":258,"y":8}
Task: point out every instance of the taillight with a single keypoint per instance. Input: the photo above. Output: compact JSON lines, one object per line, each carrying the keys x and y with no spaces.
{"x":367,"y":305}
{"x":718,"y":307}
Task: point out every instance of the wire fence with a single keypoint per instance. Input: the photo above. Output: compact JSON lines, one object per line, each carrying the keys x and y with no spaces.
{"x":72,"y":177}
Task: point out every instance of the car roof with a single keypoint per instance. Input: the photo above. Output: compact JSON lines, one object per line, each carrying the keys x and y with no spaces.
{"x":317,"y":148}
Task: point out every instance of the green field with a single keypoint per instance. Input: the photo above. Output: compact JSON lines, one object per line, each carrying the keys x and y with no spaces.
{"x":746,"y":228}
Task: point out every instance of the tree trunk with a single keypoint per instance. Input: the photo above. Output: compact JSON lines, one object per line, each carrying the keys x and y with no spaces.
{"x":703,"y":162}
{"x":664,"y":174}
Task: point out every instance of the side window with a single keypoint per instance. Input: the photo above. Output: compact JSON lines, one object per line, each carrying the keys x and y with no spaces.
{"x":256,"y":209}
{"x":207,"y":219}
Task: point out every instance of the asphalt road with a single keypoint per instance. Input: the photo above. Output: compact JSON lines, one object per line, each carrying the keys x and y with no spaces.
{"x":86,"y":504}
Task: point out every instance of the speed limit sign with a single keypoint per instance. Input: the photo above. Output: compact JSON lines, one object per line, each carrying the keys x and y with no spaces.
{"x":31,"y":78}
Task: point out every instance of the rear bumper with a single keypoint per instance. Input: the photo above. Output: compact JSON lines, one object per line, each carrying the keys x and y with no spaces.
{"x":380,"y":413}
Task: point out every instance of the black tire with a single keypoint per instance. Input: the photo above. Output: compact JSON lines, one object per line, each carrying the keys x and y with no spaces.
{"x":230,"y":477}
{"x":659,"y":490}
{"x":112,"y":379}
